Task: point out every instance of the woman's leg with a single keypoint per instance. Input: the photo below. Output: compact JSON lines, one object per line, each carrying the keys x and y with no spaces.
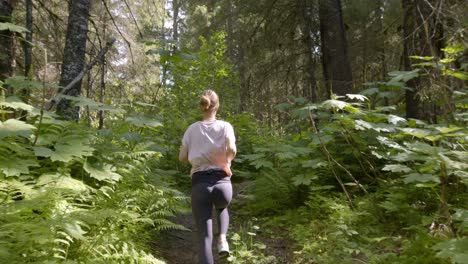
{"x":222,"y":196}
{"x":202,"y":208}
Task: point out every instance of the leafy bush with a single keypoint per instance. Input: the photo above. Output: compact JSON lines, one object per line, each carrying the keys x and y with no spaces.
{"x":69,"y":193}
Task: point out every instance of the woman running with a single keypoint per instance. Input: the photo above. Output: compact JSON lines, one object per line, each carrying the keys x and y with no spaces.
{"x":209,"y":146}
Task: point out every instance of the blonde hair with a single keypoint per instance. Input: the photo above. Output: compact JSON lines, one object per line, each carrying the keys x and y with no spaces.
{"x":209,"y":101}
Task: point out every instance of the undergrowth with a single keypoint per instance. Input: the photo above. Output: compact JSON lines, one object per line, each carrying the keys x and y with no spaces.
{"x":73,"y":194}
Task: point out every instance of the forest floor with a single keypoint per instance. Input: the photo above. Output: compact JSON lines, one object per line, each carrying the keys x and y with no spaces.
{"x":178,"y":246}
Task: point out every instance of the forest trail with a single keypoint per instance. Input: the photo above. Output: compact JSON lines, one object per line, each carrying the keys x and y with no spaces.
{"x":178,"y":246}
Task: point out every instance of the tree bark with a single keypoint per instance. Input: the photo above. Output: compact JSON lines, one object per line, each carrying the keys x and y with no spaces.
{"x":336,"y":64}
{"x":421,"y":37}
{"x":175,"y":22}
{"x":310,"y":89}
{"x":74,"y":55}
{"x":7,"y":42}
{"x":29,"y":38}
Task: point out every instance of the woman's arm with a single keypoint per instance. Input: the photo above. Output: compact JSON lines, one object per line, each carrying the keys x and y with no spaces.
{"x":183,"y":154}
{"x":231,"y":148}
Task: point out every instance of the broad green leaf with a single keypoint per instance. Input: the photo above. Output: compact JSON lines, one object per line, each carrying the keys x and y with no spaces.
{"x":403,"y":76}
{"x":417,"y":177}
{"x":143,"y":121}
{"x":457,"y":74}
{"x":456,"y":249}
{"x":364,"y":125}
{"x":262,"y":164}
{"x":303,"y":179}
{"x":408,"y":156}
{"x":15,"y":166}
{"x":16,"y":103}
{"x":393,"y":119}
{"x":370,"y":91}
{"x":447,"y":60}
{"x":15,"y":127}
{"x":81,"y":101}
{"x":75,"y":230}
{"x":108,"y":108}
{"x":22,"y":82}
{"x":416,"y":132}
{"x":396,"y":168}
{"x":315,"y":163}
{"x":454,"y":49}
{"x":445,"y":130}
{"x":425,"y":58}
{"x":66,"y":152}
{"x":43,"y":152}
{"x":12,"y":27}
{"x":334,"y":104}
{"x":61,"y":182}
{"x":359,"y":97}
{"x":102,"y":171}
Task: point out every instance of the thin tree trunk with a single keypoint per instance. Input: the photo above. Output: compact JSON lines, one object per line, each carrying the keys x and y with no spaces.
{"x":421,"y":37}
{"x":27,"y":47}
{"x":29,"y":38}
{"x":336,"y":65}
{"x":175,"y":23}
{"x":310,"y":84}
{"x":7,"y":42}
{"x":74,"y":55}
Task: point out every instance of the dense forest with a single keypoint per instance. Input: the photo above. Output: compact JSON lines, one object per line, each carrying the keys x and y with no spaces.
{"x":350,"y":119}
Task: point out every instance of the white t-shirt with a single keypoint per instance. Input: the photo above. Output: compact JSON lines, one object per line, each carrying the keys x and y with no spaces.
{"x":207,"y":144}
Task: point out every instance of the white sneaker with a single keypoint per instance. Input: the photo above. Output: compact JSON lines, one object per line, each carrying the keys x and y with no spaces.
{"x":223,"y":248}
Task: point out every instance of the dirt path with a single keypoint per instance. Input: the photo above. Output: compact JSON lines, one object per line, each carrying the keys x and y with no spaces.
{"x":178,"y":246}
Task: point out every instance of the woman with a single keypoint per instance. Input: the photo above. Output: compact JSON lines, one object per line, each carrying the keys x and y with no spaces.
{"x":209,"y":146}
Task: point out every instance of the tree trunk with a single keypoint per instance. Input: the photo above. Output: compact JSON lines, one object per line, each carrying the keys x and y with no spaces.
{"x":421,"y":37}
{"x":27,"y":43}
{"x":74,"y":55}
{"x":310,"y":83}
{"x":7,"y":42}
{"x":175,"y":23}
{"x":336,"y":65}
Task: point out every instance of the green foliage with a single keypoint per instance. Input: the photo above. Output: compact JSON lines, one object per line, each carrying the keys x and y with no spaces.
{"x":70,"y":194}
{"x":401,"y":178}
{"x":244,"y":248}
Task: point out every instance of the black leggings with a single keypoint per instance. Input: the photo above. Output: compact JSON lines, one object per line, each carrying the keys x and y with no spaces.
{"x":212,"y":187}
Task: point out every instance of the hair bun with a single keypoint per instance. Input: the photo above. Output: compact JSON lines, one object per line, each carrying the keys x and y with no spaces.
{"x":205,"y":102}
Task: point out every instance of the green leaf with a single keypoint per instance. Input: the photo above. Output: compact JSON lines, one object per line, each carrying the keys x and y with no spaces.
{"x":447,"y":60}
{"x":456,"y":249}
{"x":43,"y":152}
{"x":22,"y":82}
{"x":402,"y":76}
{"x":393,"y":119}
{"x":416,"y":132}
{"x":396,"y":168}
{"x":457,"y":74}
{"x":454,"y":49}
{"x":16,"y":103}
{"x":67,"y":152}
{"x":102,"y":171}
{"x":334,"y":104}
{"x":12,"y":27}
{"x":417,"y":177}
{"x":15,"y":127}
{"x":359,"y":97}
{"x":62,"y":182}
{"x":426,"y":58}
{"x":75,"y":230}
{"x":142,"y":121}
{"x":15,"y":166}
{"x":303,"y":179}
